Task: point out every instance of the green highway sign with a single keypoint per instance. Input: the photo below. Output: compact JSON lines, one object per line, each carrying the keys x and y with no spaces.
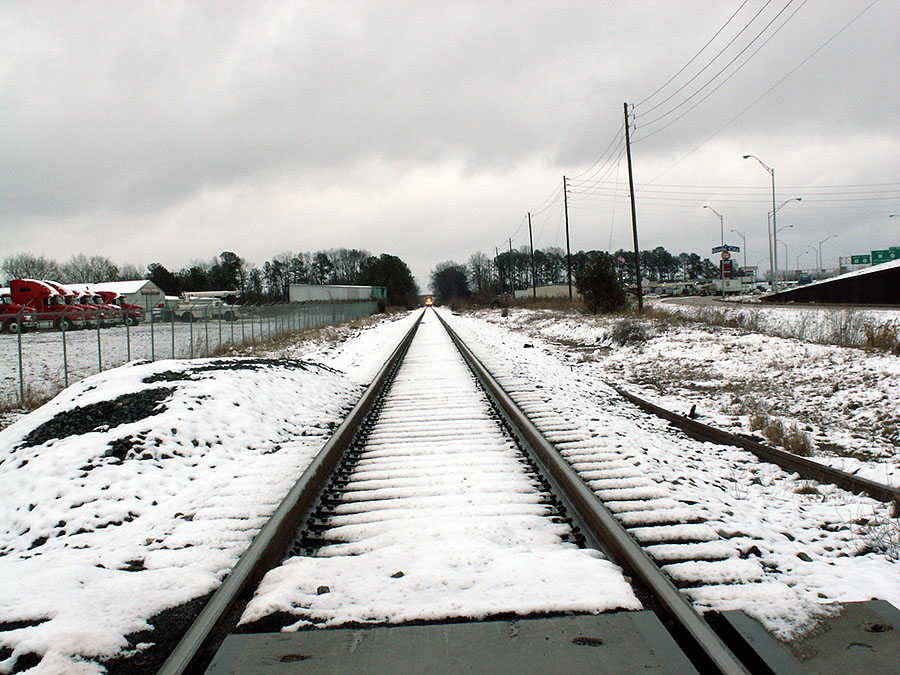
{"x":885,"y":255}
{"x":860,"y":259}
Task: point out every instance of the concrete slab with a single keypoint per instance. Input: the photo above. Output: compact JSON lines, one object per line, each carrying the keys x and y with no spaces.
{"x":864,"y":638}
{"x":622,"y":642}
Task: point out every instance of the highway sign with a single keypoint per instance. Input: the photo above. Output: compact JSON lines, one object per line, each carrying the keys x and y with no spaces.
{"x":885,"y":255}
{"x":860,"y":259}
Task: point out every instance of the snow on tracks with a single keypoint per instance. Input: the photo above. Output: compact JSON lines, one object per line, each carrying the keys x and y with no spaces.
{"x":440,"y":519}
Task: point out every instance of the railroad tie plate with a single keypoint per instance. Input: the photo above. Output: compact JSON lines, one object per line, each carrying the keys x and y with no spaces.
{"x":620,"y":642}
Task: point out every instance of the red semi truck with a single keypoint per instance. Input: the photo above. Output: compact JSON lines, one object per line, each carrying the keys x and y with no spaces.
{"x":134,"y":314}
{"x":47,"y":304}
{"x":14,"y":317}
{"x":91,"y":314}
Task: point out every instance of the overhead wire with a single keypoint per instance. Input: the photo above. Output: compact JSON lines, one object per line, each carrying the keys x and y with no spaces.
{"x":724,"y":68}
{"x":694,"y":57}
{"x":711,"y":62}
{"x":770,"y":89}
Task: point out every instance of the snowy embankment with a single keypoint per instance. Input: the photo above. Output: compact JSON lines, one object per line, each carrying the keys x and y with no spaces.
{"x":136,"y":490}
{"x":811,"y":542}
{"x":845,"y":400}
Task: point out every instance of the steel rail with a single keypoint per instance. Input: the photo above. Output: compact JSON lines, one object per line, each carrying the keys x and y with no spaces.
{"x":591,"y":510}
{"x":269,"y":546}
{"x":807,"y":468}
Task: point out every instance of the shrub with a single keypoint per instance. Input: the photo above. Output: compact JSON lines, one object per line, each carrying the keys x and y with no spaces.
{"x":600,"y":288}
{"x":628,"y":332}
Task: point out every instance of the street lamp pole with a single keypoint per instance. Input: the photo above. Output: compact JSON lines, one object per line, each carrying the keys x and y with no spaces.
{"x":722,"y":238}
{"x":774,"y":252}
{"x":821,"y":260}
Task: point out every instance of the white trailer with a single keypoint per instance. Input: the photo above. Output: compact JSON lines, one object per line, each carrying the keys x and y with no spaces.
{"x":332,"y":293}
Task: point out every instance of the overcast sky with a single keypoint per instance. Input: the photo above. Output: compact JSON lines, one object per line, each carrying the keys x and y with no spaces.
{"x":172,"y":131}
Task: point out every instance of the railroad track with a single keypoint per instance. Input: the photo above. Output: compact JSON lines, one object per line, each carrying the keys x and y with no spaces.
{"x":435,"y":463}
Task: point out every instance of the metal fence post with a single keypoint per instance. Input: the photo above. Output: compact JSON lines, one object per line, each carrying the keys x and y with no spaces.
{"x":173,"y":334}
{"x":192,"y":333}
{"x":99,"y":349}
{"x":65,"y":357}
{"x":206,"y":331}
{"x":127,"y":336}
{"x":152,"y":339}
{"x":21,"y":373}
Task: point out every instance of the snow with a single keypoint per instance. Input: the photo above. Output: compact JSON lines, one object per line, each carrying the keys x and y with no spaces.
{"x":208,"y":471}
{"x":439,"y":519}
{"x":795,"y":546}
{"x":75,"y":520}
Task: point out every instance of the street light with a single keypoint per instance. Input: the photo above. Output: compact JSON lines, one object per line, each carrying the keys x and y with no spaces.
{"x":787,"y":260}
{"x":773,"y":250}
{"x":778,"y":208}
{"x":821,"y":259}
{"x":722,"y":237}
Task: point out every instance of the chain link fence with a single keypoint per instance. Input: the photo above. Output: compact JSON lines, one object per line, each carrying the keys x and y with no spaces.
{"x":37,"y":363}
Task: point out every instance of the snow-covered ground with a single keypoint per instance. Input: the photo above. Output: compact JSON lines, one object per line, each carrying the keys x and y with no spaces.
{"x":846,"y":400}
{"x":104,"y":528}
{"x":810,"y":542}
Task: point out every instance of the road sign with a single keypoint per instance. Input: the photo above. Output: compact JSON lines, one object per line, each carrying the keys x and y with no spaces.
{"x":726,"y":247}
{"x":860,"y":259}
{"x":725,"y":255}
{"x":885,"y":255}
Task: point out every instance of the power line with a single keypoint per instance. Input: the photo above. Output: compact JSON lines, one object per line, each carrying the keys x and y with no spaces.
{"x":694,"y":57}
{"x":724,"y":68}
{"x":770,"y":89}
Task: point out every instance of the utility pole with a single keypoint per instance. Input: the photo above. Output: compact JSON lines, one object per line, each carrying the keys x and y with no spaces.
{"x":568,"y":251}
{"x":497,"y":265}
{"x":531,"y":244}
{"x":512,"y":288}
{"x":637,"y":253}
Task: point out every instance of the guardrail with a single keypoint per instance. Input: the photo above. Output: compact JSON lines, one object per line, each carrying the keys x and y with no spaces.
{"x":45,"y":361}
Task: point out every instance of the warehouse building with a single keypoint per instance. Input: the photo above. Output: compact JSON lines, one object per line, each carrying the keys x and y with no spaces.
{"x":141,"y":292}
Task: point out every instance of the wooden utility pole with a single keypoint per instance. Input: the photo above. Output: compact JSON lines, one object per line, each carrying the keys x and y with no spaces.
{"x":637,"y":250}
{"x":568,"y":251}
{"x":497,"y":267}
{"x":531,"y":244}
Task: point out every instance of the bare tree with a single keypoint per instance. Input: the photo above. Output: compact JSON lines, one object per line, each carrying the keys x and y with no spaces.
{"x":28,"y":266}
{"x":479,"y":269}
{"x":83,"y":270}
{"x":129,"y":272}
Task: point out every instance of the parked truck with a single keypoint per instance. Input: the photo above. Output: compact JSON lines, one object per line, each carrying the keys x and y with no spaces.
{"x":46,"y":304}
{"x":131,"y":314}
{"x":202,"y":305}
{"x":14,"y":317}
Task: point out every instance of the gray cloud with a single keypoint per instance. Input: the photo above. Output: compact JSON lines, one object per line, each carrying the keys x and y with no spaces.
{"x":118,"y":113}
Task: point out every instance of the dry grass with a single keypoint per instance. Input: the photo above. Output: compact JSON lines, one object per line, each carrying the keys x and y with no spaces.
{"x":778,"y":432}
{"x":881,"y":534}
{"x":11,"y":407}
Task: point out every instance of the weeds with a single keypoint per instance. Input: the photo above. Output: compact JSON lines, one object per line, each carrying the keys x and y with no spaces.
{"x":628,"y":332}
{"x":881,"y":534}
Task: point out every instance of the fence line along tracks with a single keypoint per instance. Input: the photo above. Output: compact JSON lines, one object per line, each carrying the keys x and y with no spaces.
{"x":430,"y":467}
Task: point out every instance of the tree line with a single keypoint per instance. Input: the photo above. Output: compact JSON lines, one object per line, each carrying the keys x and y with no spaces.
{"x":513,"y":269}
{"x":230,"y":272}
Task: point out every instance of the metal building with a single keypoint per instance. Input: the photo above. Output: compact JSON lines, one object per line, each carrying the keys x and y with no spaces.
{"x":877,"y":285}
